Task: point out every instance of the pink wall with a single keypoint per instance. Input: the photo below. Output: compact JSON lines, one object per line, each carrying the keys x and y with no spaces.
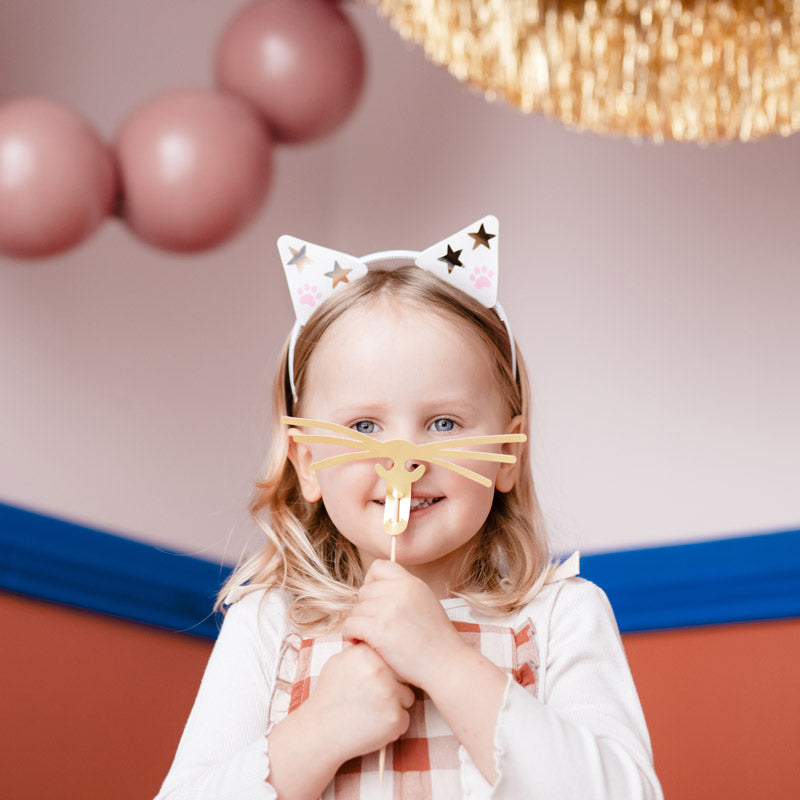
{"x":652,"y":288}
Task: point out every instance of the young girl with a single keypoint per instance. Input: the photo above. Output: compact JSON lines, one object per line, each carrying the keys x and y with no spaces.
{"x":483,"y":670}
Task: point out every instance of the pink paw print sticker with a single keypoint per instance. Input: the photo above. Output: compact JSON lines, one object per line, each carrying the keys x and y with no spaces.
{"x":309,"y":295}
{"x":481,"y":277}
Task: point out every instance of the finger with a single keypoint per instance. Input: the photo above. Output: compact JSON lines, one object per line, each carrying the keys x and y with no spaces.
{"x":358,"y":629}
{"x":407,"y":696}
{"x":377,"y":587}
{"x":381,"y":569}
{"x":366,"y":626}
{"x":370,"y":607}
{"x":372,"y":575}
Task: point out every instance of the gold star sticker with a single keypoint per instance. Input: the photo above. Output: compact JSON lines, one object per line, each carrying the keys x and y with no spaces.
{"x":480,"y":237}
{"x":451,"y":259}
{"x":338,"y":275}
{"x":299,"y":258}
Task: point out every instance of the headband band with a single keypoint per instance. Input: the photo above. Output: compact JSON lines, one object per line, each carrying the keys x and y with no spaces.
{"x":467,"y":260}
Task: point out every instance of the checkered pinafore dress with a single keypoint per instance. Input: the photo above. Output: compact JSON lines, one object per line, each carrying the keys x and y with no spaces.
{"x":424,"y":762}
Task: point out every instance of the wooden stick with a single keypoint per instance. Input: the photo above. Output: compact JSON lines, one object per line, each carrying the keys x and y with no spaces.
{"x":381,"y":765}
{"x":382,"y":756}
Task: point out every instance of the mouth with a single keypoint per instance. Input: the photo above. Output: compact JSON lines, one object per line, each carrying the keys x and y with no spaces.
{"x":417,"y":503}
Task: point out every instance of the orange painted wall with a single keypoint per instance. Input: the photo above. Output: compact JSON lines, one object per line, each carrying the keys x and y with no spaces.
{"x":723,"y":707}
{"x":90,"y":706}
{"x":93,"y":707}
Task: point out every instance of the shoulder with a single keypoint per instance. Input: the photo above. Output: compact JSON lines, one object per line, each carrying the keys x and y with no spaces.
{"x":248,"y":644}
{"x":258,"y":600}
{"x":579,"y":594}
{"x":572,"y":606}
{"x":576,"y":634}
{"x":259,"y":616}
{"x":565,"y":594}
{"x":562,"y":595}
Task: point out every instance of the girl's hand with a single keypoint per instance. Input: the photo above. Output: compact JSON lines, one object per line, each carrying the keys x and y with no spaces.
{"x":399,"y":616}
{"x":359,"y":701}
{"x":356,"y":707}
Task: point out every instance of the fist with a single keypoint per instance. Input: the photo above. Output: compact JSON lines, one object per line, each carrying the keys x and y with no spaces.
{"x":398,"y":615}
{"x":361,"y":701}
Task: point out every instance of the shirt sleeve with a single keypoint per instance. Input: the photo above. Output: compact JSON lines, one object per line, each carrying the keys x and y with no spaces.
{"x":223,"y":752}
{"x":585,"y":736}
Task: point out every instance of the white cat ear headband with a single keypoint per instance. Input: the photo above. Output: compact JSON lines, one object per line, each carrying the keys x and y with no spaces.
{"x":467,"y":260}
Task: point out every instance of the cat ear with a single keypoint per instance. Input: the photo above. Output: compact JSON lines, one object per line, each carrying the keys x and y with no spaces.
{"x":314,"y":272}
{"x":468,"y":260}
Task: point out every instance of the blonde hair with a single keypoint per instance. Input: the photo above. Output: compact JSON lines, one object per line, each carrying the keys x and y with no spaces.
{"x":307,"y":556}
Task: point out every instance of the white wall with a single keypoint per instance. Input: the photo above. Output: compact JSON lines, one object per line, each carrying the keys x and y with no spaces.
{"x":653,"y":289}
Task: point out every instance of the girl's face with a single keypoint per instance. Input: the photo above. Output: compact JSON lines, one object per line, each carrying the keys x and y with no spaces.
{"x":396,"y":372}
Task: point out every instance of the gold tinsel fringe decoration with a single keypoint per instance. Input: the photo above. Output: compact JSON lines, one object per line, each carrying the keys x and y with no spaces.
{"x":676,"y":69}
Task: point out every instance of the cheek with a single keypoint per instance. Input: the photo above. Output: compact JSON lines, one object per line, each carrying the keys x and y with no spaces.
{"x":484,"y":502}
{"x":462,"y":485}
{"x":478,"y":506}
{"x":345,"y":483}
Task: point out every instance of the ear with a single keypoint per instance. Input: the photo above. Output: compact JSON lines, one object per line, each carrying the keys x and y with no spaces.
{"x":507,"y":474}
{"x":301,"y":458}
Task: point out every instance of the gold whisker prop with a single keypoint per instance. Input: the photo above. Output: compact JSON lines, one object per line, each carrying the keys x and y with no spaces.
{"x":399,"y":479}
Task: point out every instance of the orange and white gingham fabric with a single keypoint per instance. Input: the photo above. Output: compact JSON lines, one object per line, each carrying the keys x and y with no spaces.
{"x":424,"y":762}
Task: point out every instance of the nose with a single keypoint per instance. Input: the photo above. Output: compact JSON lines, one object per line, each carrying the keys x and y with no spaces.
{"x":411,"y":465}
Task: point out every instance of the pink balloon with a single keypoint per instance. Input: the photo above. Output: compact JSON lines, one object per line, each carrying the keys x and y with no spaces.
{"x":195,"y":168}
{"x":57,"y":179}
{"x":300,"y":62}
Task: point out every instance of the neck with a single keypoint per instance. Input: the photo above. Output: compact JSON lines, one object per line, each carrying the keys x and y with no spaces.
{"x":438,"y":574}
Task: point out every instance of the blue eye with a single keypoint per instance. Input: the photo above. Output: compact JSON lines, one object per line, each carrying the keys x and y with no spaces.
{"x":443,"y":425}
{"x":365,"y":426}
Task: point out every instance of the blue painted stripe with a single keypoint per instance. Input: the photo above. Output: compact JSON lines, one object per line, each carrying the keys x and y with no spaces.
{"x":739,"y":579}
{"x":51,"y":559}
{"x":729,"y":580}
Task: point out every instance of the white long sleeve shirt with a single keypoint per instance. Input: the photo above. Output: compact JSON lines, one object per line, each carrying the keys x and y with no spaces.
{"x":582,"y":737}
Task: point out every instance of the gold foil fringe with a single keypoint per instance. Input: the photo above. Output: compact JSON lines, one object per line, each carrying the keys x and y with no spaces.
{"x":664,"y":69}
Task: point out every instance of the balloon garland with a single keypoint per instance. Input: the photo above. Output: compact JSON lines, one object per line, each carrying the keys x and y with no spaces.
{"x":690,"y":70}
{"x":188,"y":169}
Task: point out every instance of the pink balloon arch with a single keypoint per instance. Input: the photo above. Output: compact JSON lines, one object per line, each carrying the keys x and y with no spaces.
{"x":189,"y":169}
{"x":57,"y":178}
{"x":195,"y":167}
{"x":303,"y":71}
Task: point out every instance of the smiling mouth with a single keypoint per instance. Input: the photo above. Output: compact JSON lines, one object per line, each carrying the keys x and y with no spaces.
{"x":417,"y":504}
